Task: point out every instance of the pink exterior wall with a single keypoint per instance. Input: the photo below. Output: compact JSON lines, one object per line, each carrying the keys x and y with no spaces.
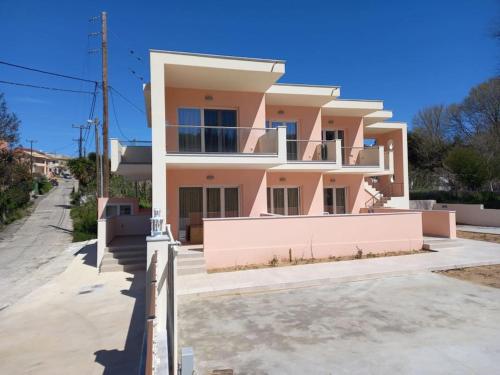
{"x":397,"y":138}
{"x":311,"y":189}
{"x":308,"y":125}
{"x":231,"y":242}
{"x":352,"y":127}
{"x":252,"y":183}
{"x":434,"y":223}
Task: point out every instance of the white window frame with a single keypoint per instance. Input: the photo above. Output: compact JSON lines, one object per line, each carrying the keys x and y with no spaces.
{"x":346,"y":193}
{"x":285,"y":187}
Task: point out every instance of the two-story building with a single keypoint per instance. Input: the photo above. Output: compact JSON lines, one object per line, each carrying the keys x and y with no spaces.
{"x":232,"y":143}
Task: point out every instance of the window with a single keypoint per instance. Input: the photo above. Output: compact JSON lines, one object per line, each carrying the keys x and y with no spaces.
{"x":118,"y":210}
{"x":291,"y":137}
{"x":330,"y":135}
{"x":195,"y":203}
{"x":283,"y":200}
{"x":335,"y":200}
{"x":207,"y":130}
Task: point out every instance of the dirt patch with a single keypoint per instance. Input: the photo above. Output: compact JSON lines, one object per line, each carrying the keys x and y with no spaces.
{"x":484,"y":275}
{"x":489,"y":237}
{"x":275,"y":262}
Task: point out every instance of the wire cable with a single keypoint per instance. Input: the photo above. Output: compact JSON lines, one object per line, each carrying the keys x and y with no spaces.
{"x":45,"y":72}
{"x":116,"y":117}
{"x":46,"y":87}
{"x":127,"y":100}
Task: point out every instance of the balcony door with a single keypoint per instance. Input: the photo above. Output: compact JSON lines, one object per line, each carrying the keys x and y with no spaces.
{"x":220,"y":131}
{"x":195,"y":203}
{"x":283,"y":200}
{"x":335,"y":200}
{"x":207,"y":130}
{"x":332,"y":135}
{"x":291,"y":137}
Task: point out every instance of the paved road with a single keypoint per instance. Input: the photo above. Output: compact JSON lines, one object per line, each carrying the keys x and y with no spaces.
{"x":34,"y":253}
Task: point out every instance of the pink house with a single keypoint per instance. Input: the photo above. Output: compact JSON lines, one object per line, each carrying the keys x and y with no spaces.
{"x":234,"y":153}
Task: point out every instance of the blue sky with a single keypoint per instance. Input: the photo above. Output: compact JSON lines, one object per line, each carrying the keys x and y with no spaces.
{"x":410,"y":54}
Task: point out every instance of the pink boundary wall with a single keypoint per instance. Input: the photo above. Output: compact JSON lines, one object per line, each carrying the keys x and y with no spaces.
{"x":434,"y":223}
{"x":239,"y":241}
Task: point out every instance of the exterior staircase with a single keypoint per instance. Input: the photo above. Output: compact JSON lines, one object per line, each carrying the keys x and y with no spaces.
{"x":378,"y":200}
{"x":190,"y":261}
{"x":126,"y":254}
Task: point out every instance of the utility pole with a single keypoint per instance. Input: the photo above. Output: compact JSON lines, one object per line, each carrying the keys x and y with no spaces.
{"x":105,"y":119}
{"x":98,"y":166}
{"x":80,"y":139}
{"x":31,"y":141}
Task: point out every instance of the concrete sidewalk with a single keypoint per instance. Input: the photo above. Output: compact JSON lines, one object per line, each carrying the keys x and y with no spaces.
{"x":472,"y":253}
{"x":80,"y":322}
{"x":478,"y":229}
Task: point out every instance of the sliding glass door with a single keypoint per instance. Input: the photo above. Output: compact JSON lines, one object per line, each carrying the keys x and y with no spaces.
{"x":195,"y":203}
{"x":207,"y":130}
{"x":220,"y":134}
{"x":335,"y":200}
{"x":283,"y":200}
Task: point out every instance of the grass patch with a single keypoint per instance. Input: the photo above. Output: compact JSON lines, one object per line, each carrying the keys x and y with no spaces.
{"x":285,"y":262}
{"x":488,"y":237}
{"x":484,"y":275}
{"x":84,"y":221}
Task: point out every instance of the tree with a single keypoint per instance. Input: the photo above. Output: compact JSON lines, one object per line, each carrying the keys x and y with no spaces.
{"x":83,"y":169}
{"x":468,"y":167}
{"x":9,"y":123}
{"x":477,"y":124}
{"x":430,"y":137}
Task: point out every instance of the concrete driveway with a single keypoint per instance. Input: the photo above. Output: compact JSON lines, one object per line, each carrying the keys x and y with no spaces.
{"x":32,"y":251}
{"x":416,"y":324}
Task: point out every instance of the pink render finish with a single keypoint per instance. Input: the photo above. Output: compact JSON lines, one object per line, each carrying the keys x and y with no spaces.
{"x":235,"y":155}
{"x":242,"y":241}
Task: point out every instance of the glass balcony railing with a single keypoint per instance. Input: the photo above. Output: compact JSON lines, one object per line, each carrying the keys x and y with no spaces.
{"x":360,"y":156}
{"x":314,"y":151}
{"x":192,"y":139}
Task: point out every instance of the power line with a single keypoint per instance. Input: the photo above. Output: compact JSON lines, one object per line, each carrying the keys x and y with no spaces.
{"x":45,"y":72}
{"x":127,"y":100}
{"x":116,"y":117}
{"x":45,"y":87}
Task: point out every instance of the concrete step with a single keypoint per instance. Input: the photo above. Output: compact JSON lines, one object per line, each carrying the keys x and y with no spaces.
{"x":124,"y":254}
{"x":123,"y":267}
{"x":126,"y":247}
{"x":191,"y":262}
{"x":123,"y":261}
{"x":442,"y":244}
{"x":182,"y":254}
{"x":195,"y":270}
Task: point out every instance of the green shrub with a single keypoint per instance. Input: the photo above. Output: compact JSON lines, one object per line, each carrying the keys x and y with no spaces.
{"x":488,"y":198}
{"x":84,"y":221}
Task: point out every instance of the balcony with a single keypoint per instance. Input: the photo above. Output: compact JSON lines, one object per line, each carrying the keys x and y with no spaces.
{"x":372,"y":160}
{"x":131,"y":159}
{"x":219,"y":146}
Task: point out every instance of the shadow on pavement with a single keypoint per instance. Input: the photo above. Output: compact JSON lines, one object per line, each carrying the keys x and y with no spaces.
{"x":90,"y":254}
{"x":126,"y":361}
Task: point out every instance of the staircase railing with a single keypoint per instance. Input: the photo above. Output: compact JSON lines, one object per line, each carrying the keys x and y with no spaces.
{"x":373,"y":200}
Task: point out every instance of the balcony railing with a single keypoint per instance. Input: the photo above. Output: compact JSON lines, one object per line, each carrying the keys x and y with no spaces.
{"x":314,"y":151}
{"x":361,"y":156}
{"x":191,"y":139}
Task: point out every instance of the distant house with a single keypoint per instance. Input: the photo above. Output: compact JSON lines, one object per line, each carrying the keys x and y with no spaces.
{"x":49,"y":165}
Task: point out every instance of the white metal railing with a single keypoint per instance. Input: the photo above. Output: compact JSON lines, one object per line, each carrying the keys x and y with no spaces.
{"x":192,"y":139}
